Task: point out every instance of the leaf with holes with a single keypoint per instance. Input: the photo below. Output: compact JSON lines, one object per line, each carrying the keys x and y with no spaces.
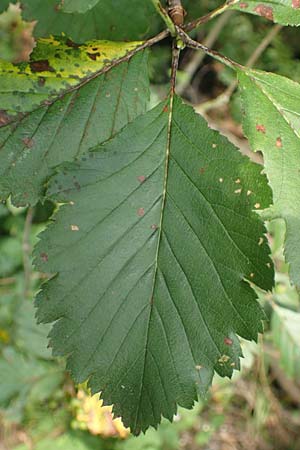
{"x":272,"y":124}
{"x":31,"y":147}
{"x":285,"y":12}
{"x":155,"y":251}
{"x":56,"y":66}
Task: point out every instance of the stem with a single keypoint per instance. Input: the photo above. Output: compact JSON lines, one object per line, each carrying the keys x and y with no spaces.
{"x":165,"y":16}
{"x":198,"y":57}
{"x":175,"y":61}
{"x":226,"y":95}
{"x":216,"y":12}
{"x":189,"y":42}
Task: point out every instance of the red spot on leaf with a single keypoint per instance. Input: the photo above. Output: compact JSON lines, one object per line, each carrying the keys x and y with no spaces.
{"x":264,"y":11}
{"x":228,"y":341}
{"x":279,"y":142}
{"x":261,"y":128}
{"x":141,"y":212}
{"x":28,"y":142}
{"x":4,"y":118}
{"x":243,"y":5}
{"x":296,"y":4}
{"x":44,"y":257}
{"x":154,"y":227}
{"x":141,"y":178}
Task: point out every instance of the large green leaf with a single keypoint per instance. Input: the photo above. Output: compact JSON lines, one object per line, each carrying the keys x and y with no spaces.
{"x":31,"y":147}
{"x":80,"y":6}
{"x":272,"y":124}
{"x":155,"y":252}
{"x":57,"y":65}
{"x":285,"y":12}
{"x":113,"y":19}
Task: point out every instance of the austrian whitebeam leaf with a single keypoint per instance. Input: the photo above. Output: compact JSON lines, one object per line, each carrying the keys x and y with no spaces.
{"x":79,"y":6}
{"x":56,"y":66}
{"x":272,"y":124}
{"x":108,"y":19}
{"x":285,"y":12}
{"x":155,"y":251}
{"x":31,"y":147}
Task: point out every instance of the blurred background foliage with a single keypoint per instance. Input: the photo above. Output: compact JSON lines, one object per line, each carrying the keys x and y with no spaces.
{"x":41,"y":409}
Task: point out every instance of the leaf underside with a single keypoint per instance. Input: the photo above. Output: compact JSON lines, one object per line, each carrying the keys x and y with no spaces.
{"x":31,"y":147}
{"x":285,"y":12}
{"x":272,"y":125}
{"x":154,"y":253}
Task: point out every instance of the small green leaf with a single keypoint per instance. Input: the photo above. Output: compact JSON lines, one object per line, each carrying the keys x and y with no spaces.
{"x":285,"y":12}
{"x":79,"y":6}
{"x":56,"y":66}
{"x":31,"y":147}
{"x":155,"y":253}
{"x":16,"y":40}
{"x":272,"y":125}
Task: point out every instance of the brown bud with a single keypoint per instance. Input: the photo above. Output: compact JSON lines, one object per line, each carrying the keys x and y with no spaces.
{"x":177,"y":14}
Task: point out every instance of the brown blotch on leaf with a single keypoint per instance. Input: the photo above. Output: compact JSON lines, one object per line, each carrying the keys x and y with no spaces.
{"x":166,"y":108}
{"x":202,"y":170}
{"x":261,"y":128}
{"x":296,"y":4}
{"x":278,"y":142}
{"x":264,"y":11}
{"x":72,"y":44}
{"x":228,"y":341}
{"x":141,"y":178}
{"x":243,"y":5}
{"x":44,"y":257}
{"x":93,"y":56}
{"x":28,"y":142}
{"x":41,"y":66}
{"x":141,"y":212}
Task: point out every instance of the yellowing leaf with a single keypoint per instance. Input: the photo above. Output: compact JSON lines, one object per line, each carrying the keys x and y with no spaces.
{"x":56,"y":66}
{"x":98,"y":419}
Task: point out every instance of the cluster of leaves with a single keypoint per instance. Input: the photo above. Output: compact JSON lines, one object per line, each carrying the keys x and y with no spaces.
{"x":156,"y":246}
